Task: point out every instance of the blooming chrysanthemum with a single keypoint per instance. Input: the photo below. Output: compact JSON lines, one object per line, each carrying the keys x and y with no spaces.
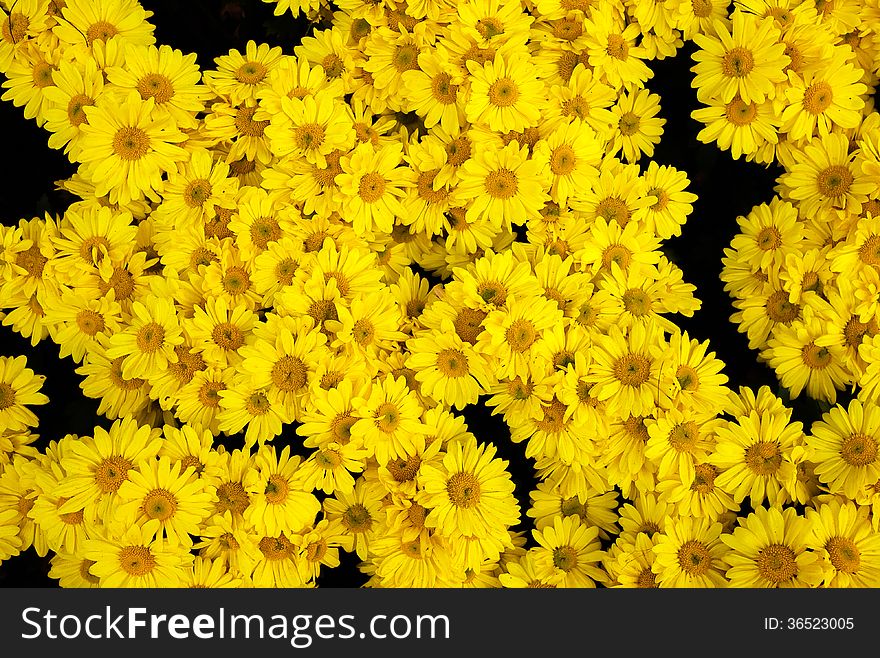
{"x":388,"y":419}
{"x":690,"y":553}
{"x":850,"y":547}
{"x":125,"y":149}
{"x":503,"y":95}
{"x":19,"y":387}
{"x":86,"y":23}
{"x":311,"y":128}
{"x":844,"y":447}
{"x":239,"y":77}
{"x":747,"y":60}
{"x":744,"y":129}
{"x":569,"y":554}
{"x":769,"y":549}
{"x":571,"y":152}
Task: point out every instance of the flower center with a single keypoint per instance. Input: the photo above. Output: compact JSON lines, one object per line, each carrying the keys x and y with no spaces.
{"x":702,"y":8}
{"x":100,"y":31}
{"x":469,"y":324}
{"x":458,"y":151}
{"x":687,"y":377}
{"x":275,"y":549}
{"x":245,"y":124}
{"x":764,"y":458}
{"x":333,"y":66}
{"x":197,"y":193}
{"x":257,"y":404}
{"x":704,"y":478}
{"x":276,"y":490}
{"x":340,"y":426}
{"x":815,"y":357}
{"x":15,"y":28}
{"x":553,"y":417}
{"x":263,"y":231}
{"x":628,"y":124}
{"x":796,"y":56}
{"x":834,"y":181}
{"x":683,"y":436}
{"x":520,"y":335}
{"x":363,"y":332}
{"x":289,"y":373}
{"x":111,"y":473}
{"x":209,"y":394}
{"x":567,"y":29}
{"x":694,"y":558}
{"x":614,"y":209}
{"x":232,"y":497}
{"x":632,"y":370}
{"x":503,"y":92}
{"x":89,"y":322}
{"x":859,"y":450}
{"x":130,"y":143}
{"x":768,"y":238}
{"x":114,"y":372}
{"x":740,"y":113}
{"x":777,"y":563}
{"x":562,"y":160}
{"x":617,"y":47}
{"x":616,"y":253}
{"x":565,"y":558}
{"x":737,"y":62}
{"x":357,"y":518}
{"x":227,"y":336}
{"x":636,"y":301}
{"x":150,"y":337}
{"x":251,"y":73}
{"x":818,"y":97}
{"x":843,"y":554}
{"x":136,"y":560}
{"x":371,"y":187}
{"x":236,"y":280}
{"x":406,"y":58}
{"x":75,"y":113}
{"x":157,"y":87}
{"x":501,"y":183}
{"x":444,"y":91}
{"x":779,"y":309}
{"x":489,"y":27}
{"x":160,"y":504}
{"x":646,"y":579}
{"x":463,"y":490}
{"x":404,"y":470}
{"x":309,"y":136}
{"x":387,"y":417}
{"x":452,"y":363}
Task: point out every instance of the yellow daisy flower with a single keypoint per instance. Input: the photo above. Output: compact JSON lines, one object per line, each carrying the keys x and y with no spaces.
{"x":136,"y":559}
{"x":388,"y":419}
{"x":360,"y":514}
{"x":571,"y":153}
{"x":504,"y":96}
{"x":613,"y":51}
{"x":19,"y":386}
{"x":569,"y":554}
{"x":850,"y":548}
{"x":147,"y":344}
{"x":311,"y":128}
{"x":125,"y":149}
{"x":239,"y":77}
{"x":103,"y":20}
{"x":747,"y":60}
{"x":637,"y":129}
{"x":157,"y":490}
{"x":690,"y":553}
{"x":744,"y":129}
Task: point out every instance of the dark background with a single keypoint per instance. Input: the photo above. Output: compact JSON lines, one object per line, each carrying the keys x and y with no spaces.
{"x":726,"y":188}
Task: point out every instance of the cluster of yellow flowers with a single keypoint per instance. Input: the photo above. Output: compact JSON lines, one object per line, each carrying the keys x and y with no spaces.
{"x":255,"y":255}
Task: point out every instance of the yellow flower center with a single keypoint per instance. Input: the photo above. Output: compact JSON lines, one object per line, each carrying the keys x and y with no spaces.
{"x":469,"y":324}
{"x":702,"y":8}
{"x":834,"y":181}
{"x":406,"y":58}
{"x":340,"y":426}
{"x":628,"y":125}
{"x":768,"y":238}
{"x":777,"y":563}
{"x":815,"y":357}
{"x":614,"y":209}
{"x":843,"y":554}
{"x":567,"y":29}
{"x":160,"y":504}
{"x":489,"y":27}
{"x":501,"y":183}
{"x":632,"y":370}
{"x":646,"y":579}
{"x":309,"y":136}
{"x":357,"y":518}
{"x":521,"y":335}
{"x":687,"y":377}
{"x":443,"y":90}
{"x":245,"y":124}
{"x":15,"y":28}
{"x":387,"y":417}
{"x":227,"y":336}
{"x":333,"y":66}
{"x":156,"y":86}
{"x":404,"y":470}
{"x":562,"y":160}
{"x":764,"y":458}
{"x":503,"y":92}
{"x":232,"y":497}
{"x":111,"y":473}
{"x":251,"y":73}
{"x":114,"y":372}
{"x":565,"y":558}
{"x":289,"y":373}
{"x":694,"y":558}
{"x":236,"y":280}
{"x":463,"y":490}
{"x":704,"y":479}
{"x":150,"y":337}
{"x":131,"y":143}
{"x":197,"y":193}
{"x":637,"y":302}
{"x":553,"y":420}
{"x":136,"y":560}
{"x":779,"y":309}
{"x":617,"y":47}
{"x":818,"y":97}
{"x":859,"y":450}
{"x":257,"y":404}
{"x":100,"y":31}
{"x":209,"y":394}
{"x":737,"y":62}
{"x":458,"y":151}
{"x":371,"y":187}
{"x":363,"y":332}
{"x":75,"y":113}
{"x":683,"y":437}
{"x":277,"y":489}
{"x":452,"y":363}
{"x":276,"y":549}
{"x":425,"y":187}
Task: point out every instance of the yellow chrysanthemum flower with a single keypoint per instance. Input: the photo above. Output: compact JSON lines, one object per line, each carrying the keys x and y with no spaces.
{"x":690,"y":553}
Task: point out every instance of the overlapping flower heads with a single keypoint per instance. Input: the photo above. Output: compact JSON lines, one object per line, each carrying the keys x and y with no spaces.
{"x":424,"y":206}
